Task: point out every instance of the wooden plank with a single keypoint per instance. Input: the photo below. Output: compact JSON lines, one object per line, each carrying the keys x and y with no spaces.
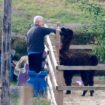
{"x":53,"y":84}
{"x":51,"y":72}
{"x":51,"y":55}
{"x":52,"y":60}
{"x":49,"y":45}
{"x":98,"y":67}
{"x":26,"y":95}
{"x":59,"y":93}
{"x":81,"y":47}
{"x":57,"y":39}
{"x":52,"y":68}
{"x":100,"y":82}
{"x":51,"y":92}
{"x":80,"y":87}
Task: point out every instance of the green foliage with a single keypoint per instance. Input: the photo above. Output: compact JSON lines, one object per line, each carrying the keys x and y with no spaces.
{"x":67,"y":11}
{"x":25,"y":10}
{"x":88,"y":12}
{"x":92,"y":8}
{"x":96,"y":28}
{"x":72,"y":1}
{"x":21,"y":24}
{"x":100,"y":52}
{"x":20,"y":46}
{"x":14,"y":100}
{"x":40,"y":101}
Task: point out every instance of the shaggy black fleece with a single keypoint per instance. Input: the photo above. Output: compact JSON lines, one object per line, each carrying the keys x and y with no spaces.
{"x":76,"y":58}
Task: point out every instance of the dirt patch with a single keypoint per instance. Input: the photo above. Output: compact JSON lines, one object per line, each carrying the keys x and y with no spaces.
{"x":76,"y":99}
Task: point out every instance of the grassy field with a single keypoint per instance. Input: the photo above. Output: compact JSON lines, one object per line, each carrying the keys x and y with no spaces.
{"x":88,"y":12}
{"x":15,"y":100}
{"x":64,"y":11}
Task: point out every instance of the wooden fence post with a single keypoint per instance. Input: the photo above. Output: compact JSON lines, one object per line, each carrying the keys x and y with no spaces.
{"x":59,"y":94}
{"x":6,"y":53}
{"x":26,"y":95}
{"x":57,"y":42}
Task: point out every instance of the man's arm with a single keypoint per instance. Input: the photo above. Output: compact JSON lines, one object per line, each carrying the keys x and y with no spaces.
{"x":48,"y":30}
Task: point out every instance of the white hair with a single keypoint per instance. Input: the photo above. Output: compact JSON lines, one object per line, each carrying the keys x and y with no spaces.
{"x":36,"y":18}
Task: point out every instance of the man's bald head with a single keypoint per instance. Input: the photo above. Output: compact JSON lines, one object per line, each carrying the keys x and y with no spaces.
{"x":38,"y":20}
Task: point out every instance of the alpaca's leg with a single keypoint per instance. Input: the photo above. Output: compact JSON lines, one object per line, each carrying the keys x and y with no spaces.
{"x":84,"y":80}
{"x":91,"y":92}
{"x":91,"y":81}
{"x":68,"y":79}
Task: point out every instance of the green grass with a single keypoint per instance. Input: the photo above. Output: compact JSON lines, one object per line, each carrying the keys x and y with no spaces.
{"x":65,"y":11}
{"x":15,"y":100}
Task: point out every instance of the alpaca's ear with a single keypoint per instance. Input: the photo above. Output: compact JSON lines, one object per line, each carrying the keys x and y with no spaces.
{"x":63,"y":29}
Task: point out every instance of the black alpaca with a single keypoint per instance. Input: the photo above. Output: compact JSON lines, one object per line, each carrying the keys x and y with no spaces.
{"x":74,"y":58}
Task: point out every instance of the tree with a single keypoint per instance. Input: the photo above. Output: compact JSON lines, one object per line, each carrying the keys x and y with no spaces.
{"x":6,"y":53}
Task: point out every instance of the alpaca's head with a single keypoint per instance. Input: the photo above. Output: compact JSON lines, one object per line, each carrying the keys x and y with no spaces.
{"x":66,"y":38}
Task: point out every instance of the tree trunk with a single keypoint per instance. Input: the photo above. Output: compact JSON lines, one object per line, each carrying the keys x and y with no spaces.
{"x":6,"y":53}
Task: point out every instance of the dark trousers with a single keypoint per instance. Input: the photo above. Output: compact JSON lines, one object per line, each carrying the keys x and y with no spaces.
{"x":35,"y":62}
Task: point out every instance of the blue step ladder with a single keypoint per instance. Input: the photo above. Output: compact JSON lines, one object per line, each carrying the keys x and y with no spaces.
{"x":38,"y":82}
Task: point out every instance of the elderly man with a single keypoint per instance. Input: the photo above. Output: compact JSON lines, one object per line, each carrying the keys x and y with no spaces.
{"x":35,"y":43}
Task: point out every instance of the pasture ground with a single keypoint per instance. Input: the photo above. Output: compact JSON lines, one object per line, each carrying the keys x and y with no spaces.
{"x":76,"y":99}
